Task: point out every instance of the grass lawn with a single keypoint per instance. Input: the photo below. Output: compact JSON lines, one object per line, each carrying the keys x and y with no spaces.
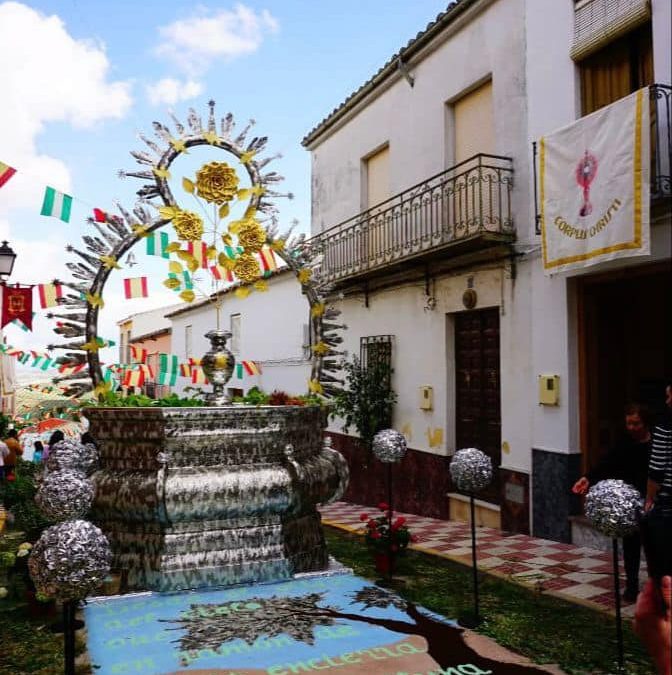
{"x":545,"y":629}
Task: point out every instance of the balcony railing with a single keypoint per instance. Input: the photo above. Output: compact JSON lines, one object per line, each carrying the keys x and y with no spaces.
{"x":468,"y":202}
{"x":661,"y":141}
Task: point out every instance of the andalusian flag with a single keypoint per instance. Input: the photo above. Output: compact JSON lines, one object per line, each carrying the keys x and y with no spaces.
{"x":157,"y":243}
{"x":50,"y":294}
{"x":232,"y":252}
{"x":6,"y":172}
{"x":168,"y":369}
{"x":199,"y":250}
{"x":267,"y":259}
{"x":221,"y":273}
{"x":56,"y":204}
{"x":135,"y":287}
{"x":183,"y":279}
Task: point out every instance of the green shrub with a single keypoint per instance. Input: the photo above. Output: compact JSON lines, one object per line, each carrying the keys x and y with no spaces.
{"x":18,"y":496}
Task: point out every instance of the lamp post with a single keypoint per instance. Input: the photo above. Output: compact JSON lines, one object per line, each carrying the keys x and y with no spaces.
{"x":7,"y":258}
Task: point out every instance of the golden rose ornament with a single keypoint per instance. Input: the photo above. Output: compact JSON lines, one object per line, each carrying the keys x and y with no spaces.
{"x":252,"y":236}
{"x":188,"y":225}
{"x":216,"y":182}
{"x":246,"y":268}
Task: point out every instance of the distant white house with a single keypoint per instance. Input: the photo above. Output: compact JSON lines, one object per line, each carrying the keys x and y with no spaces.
{"x":268,"y":328}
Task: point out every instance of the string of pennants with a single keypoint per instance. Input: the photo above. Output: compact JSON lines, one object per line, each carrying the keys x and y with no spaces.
{"x":135,"y":374}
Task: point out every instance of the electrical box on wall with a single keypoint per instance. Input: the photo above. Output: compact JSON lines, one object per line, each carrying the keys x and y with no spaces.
{"x":426,"y":398}
{"x":549,"y":389}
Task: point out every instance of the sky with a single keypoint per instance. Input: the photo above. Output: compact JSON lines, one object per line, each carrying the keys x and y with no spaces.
{"x":81,"y":78}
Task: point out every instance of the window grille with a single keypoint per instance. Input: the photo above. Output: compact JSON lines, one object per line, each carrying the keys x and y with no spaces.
{"x":376,"y":350}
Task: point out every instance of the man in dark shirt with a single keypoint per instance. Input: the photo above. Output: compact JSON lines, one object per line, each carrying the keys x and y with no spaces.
{"x":627,"y":460}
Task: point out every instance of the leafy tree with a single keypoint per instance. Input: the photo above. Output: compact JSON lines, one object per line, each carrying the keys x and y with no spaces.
{"x":367,"y":400}
{"x":211,"y":625}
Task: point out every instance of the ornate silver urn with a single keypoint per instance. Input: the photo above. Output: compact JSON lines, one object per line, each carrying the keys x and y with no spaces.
{"x":218,"y":366}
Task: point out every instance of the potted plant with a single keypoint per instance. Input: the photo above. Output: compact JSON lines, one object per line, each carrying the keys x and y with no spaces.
{"x":387,"y":537}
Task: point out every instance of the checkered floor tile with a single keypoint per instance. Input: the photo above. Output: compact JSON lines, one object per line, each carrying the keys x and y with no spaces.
{"x":574,"y":573}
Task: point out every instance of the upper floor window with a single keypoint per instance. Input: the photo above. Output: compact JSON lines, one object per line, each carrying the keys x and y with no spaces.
{"x":377,"y":185}
{"x":235,"y":334}
{"x":474,"y":123}
{"x":616,"y":70}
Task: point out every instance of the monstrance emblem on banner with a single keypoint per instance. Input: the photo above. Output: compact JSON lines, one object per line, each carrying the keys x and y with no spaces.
{"x":607,"y":156}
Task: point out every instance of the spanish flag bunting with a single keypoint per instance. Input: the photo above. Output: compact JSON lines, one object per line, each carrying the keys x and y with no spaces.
{"x":6,"y":172}
{"x":193,"y":361}
{"x":251,"y":368}
{"x":199,"y":250}
{"x":185,"y":370}
{"x":198,"y":376}
{"x":65,"y":369}
{"x":221,"y":273}
{"x":134,"y":378}
{"x":49,"y":294}
{"x":138,"y":354}
{"x":147,"y":370}
{"x":135,"y":287}
{"x":267,"y":259}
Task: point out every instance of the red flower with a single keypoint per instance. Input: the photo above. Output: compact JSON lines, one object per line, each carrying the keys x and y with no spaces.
{"x":364,"y":516}
{"x":372,"y":524}
{"x":398,"y":522}
{"x":375,"y":534}
{"x":384,"y":506}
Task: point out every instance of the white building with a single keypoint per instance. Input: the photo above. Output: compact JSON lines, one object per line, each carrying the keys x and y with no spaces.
{"x":269,"y":328}
{"x":423,"y":196}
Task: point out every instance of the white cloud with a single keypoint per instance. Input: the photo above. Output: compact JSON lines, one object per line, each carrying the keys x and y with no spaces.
{"x":194,"y":43}
{"x":47,"y":76}
{"x":169,"y":91}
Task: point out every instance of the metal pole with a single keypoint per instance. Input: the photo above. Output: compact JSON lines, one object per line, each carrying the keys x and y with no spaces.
{"x":617,"y":597}
{"x":69,"y":636}
{"x":472,"y":509}
{"x":537,"y":217}
{"x":390,"y":553}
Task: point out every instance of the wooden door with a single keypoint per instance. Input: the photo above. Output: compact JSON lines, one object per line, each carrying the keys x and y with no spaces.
{"x":477,"y":398}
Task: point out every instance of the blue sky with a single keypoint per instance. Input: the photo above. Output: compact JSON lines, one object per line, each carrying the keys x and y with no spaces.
{"x":80,"y":78}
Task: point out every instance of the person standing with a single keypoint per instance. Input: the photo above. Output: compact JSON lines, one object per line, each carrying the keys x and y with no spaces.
{"x":627,"y":460}
{"x":15,"y":450}
{"x":4,"y":451}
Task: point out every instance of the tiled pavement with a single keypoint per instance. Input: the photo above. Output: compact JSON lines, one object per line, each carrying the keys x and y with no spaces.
{"x":578,"y":574}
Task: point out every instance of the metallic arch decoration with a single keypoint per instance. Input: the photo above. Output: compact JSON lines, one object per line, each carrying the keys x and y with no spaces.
{"x":120,"y":233}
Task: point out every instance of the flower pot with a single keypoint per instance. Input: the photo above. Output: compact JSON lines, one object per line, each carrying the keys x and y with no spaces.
{"x":384,"y":563}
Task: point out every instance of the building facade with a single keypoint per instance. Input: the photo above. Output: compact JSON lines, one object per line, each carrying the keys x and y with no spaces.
{"x":424,"y":201}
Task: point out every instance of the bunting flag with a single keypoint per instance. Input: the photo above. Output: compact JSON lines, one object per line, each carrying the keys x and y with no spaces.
{"x":49,"y":294}
{"x":185,"y":370}
{"x":251,"y":368}
{"x":6,"y":172}
{"x":267,"y":259}
{"x":99,"y":216}
{"x":221,"y":273}
{"x":21,"y":325}
{"x":134,"y":378}
{"x":135,"y":287}
{"x":66,"y":369}
{"x":167,"y":377}
{"x":138,"y":354}
{"x":147,"y":370}
{"x":198,"y":376}
{"x":56,"y":204}
{"x":183,"y":279}
{"x":232,"y":252}
{"x":199,"y":250}
{"x":168,"y":363}
{"x":157,"y":243}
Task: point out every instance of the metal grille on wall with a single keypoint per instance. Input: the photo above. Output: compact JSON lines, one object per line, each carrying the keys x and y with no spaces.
{"x":375,"y":351}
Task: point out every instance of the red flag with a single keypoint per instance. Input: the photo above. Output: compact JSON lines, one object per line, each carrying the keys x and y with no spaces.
{"x":99,"y":216}
{"x":17,"y":303}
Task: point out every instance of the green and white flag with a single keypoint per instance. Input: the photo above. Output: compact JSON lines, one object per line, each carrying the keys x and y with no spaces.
{"x":169,"y":368}
{"x":56,"y":204}
{"x":156,"y":244}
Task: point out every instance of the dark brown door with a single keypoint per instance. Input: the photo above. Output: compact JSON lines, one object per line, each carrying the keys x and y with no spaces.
{"x":477,"y":400}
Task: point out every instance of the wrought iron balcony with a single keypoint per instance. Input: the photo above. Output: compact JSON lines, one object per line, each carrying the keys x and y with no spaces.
{"x":465,"y":207}
{"x":661,"y":141}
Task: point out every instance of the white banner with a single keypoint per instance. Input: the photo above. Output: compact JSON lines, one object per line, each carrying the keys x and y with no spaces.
{"x":594,"y":187}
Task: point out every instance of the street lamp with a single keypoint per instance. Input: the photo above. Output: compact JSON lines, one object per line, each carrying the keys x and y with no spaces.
{"x":7,"y":258}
